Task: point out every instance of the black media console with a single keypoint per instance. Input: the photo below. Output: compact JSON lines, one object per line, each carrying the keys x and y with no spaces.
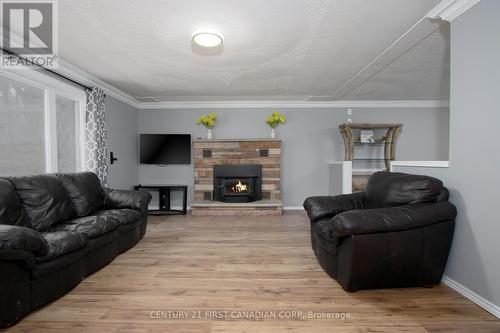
{"x":164,"y":197}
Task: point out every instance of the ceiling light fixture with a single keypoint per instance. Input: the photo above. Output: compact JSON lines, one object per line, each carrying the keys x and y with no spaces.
{"x":207,"y":38}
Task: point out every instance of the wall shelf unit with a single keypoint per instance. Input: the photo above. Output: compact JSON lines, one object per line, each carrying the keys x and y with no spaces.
{"x":369,"y":157}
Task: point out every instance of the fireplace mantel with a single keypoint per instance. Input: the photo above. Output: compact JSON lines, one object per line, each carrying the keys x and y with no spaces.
{"x":237,"y":140}
{"x":265,"y":152}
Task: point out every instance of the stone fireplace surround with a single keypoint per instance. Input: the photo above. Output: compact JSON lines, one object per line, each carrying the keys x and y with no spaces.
{"x":264,"y":152}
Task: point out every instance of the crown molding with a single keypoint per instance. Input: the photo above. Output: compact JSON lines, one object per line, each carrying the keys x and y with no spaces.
{"x":413,"y":35}
{"x":86,"y":78}
{"x":293,"y":104}
{"x":233,"y":104}
{"x":416,"y":33}
{"x":448,"y":10}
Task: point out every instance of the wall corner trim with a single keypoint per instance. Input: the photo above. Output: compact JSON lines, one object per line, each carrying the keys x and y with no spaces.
{"x":448,"y":10}
{"x":472,"y":296}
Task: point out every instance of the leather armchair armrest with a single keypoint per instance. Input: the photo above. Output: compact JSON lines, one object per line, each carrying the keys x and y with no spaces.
{"x":412,"y":216}
{"x":17,"y":243}
{"x":117,"y":199}
{"x":328,"y":206}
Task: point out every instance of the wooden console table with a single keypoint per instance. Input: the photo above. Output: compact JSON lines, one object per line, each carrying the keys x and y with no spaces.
{"x":164,"y":198}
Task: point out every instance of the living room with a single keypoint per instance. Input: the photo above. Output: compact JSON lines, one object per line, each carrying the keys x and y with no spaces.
{"x":262,"y":166}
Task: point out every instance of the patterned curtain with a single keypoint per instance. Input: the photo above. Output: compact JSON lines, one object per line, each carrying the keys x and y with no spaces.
{"x":95,"y":134}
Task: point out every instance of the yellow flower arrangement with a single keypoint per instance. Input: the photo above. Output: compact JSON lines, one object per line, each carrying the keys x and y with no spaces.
{"x":275,"y":119}
{"x":207,"y":121}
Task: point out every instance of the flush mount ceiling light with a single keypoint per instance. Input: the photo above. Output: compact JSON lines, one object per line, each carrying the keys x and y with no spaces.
{"x":207,"y":38}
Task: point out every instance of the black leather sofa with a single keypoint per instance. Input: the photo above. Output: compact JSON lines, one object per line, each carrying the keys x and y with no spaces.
{"x":397,"y":233}
{"x":56,"y":229}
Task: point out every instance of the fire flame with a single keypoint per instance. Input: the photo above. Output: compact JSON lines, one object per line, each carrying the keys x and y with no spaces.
{"x":239,"y":187}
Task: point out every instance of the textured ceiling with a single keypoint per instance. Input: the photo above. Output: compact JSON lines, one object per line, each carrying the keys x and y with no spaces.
{"x":273,"y":50}
{"x":422,"y":73}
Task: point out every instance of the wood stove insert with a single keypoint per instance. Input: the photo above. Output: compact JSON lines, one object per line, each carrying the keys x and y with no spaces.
{"x":237,"y":183}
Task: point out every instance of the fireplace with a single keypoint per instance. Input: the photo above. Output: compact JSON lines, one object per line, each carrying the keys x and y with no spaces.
{"x":237,"y":183}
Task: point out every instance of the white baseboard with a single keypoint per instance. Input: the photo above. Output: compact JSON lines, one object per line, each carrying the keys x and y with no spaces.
{"x":293,"y":208}
{"x":467,"y":293}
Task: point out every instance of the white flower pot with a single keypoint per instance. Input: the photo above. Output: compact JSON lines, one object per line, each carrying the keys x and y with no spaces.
{"x":209,"y":134}
{"x":273,"y":133}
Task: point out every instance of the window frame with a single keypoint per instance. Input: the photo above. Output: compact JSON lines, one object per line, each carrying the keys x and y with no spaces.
{"x":52,"y":88}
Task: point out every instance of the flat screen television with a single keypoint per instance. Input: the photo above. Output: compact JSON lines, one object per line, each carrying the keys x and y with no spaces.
{"x":165,"y":148}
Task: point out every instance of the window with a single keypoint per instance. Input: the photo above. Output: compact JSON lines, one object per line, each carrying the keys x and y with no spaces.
{"x":41,"y":125}
{"x":68,"y":127}
{"x":21,"y":128}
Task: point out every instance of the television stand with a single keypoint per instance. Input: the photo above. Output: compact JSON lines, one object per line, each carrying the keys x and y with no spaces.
{"x":164,"y":192}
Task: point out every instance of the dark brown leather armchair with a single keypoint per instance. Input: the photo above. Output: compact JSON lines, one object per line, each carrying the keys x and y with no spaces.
{"x":397,"y":233}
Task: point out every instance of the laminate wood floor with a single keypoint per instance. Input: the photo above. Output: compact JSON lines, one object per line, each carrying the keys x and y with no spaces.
{"x":254,"y":268}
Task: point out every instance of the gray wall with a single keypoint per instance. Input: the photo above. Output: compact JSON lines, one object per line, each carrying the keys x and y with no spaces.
{"x":475,"y":162}
{"x":121,"y":121}
{"x":310,"y":139}
{"x":473,"y":176}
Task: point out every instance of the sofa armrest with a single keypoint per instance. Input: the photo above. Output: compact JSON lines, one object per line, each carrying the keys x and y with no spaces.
{"x":328,"y":206}
{"x":117,"y":199}
{"x":18,"y":243}
{"x":412,"y":216}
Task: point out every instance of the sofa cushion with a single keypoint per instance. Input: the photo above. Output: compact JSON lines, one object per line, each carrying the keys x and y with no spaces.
{"x":11,"y":209}
{"x":85,"y":191}
{"x":15,"y":238}
{"x":44,"y":199}
{"x":119,"y":199}
{"x":61,"y":243}
{"x":386,"y":189}
{"x":57,"y":264}
{"x":90,"y":226}
{"x":124,"y":228}
{"x":124,"y":216}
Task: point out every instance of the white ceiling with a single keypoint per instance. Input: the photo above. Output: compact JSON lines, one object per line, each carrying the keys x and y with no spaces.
{"x":422,"y":73}
{"x":273,"y":50}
